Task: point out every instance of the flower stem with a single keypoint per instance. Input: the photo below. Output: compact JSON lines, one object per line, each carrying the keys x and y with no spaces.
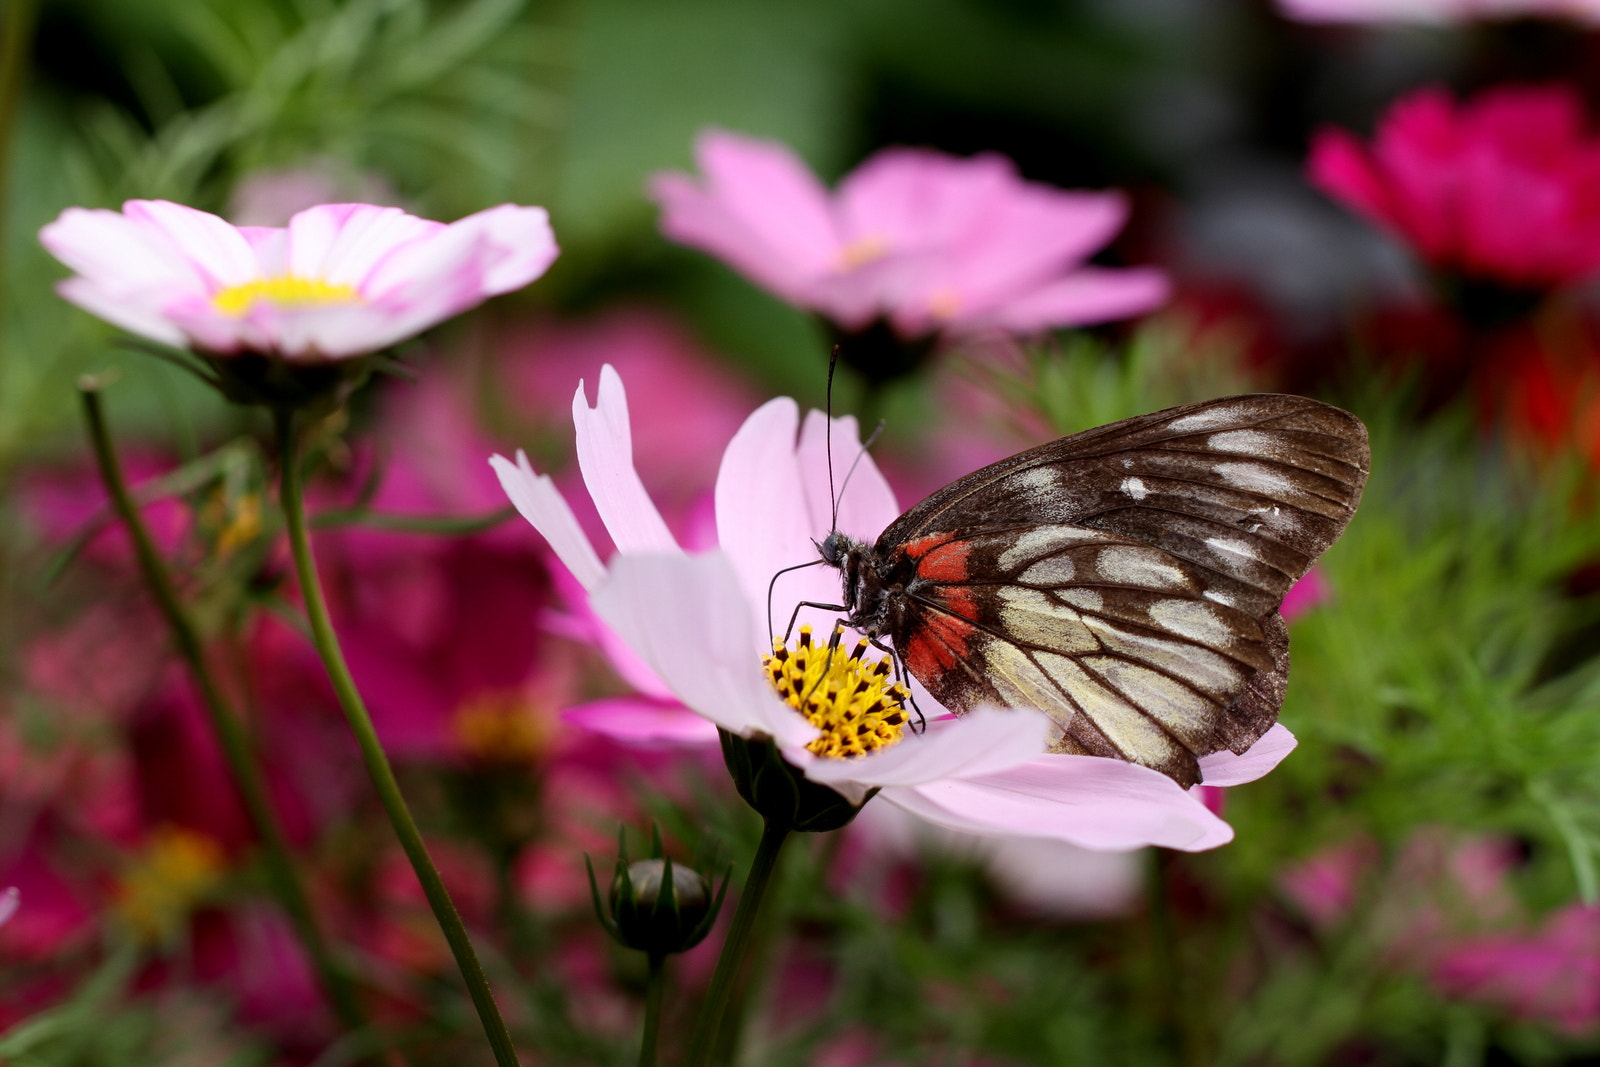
{"x":355,"y":711}
{"x":652,"y":1009}
{"x":773,"y":835}
{"x":224,"y":723}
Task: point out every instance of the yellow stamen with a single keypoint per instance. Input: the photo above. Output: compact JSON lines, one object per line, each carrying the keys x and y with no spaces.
{"x":862,"y":251}
{"x":850,"y":699}
{"x":286,"y":291}
{"x":501,"y":727}
{"x":176,"y":871}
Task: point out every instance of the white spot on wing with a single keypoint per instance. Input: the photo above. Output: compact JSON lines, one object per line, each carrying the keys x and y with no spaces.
{"x":1233,"y":548}
{"x":1041,"y":540}
{"x":1203,"y":420}
{"x":1245,"y":442}
{"x":1147,"y":568}
{"x":1255,"y":477}
{"x":1220,"y":598}
{"x":1135,"y":488}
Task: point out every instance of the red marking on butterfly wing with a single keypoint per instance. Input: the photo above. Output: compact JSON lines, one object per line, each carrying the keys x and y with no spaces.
{"x":937,"y":644}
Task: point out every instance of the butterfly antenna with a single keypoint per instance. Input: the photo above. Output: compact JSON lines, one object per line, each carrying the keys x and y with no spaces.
{"x":851,"y":473}
{"x":833,"y":363}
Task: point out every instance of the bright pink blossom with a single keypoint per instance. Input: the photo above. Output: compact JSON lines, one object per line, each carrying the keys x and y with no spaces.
{"x":1504,"y":187}
{"x":1437,"y":11}
{"x":922,"y":239}
{"x":692,"y":629}
{"x":340,"y":280}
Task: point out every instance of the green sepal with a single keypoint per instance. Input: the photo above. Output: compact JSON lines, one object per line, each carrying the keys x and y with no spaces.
{"x":779,"y":792}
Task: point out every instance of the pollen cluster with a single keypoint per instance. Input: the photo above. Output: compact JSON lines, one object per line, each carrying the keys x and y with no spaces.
{"x":285,"y":291}
{"x":850,"y":699}
{"x":173,"y":874}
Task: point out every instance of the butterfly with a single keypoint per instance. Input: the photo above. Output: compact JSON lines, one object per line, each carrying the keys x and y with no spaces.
{"x":1125,"y":580}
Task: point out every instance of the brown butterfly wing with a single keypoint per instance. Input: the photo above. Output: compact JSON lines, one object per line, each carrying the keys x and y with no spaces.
{"x":1126,"y":580}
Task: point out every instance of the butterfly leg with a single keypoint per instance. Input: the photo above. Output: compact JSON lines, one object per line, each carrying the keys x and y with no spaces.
{"x":788,"y":631}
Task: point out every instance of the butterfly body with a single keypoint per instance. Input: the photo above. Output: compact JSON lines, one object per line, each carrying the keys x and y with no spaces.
{"x":1125,"y":580}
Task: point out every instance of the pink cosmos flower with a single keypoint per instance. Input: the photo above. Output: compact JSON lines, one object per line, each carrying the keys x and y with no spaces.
{"x":1504,"y":187}
{"x":692,"y":629}
{"x":1437,"y":11}
{"x":924,"y":240}
{"x":340,"y":280}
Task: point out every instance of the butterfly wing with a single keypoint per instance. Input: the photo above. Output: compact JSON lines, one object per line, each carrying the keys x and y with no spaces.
{"x":1126,"y":580}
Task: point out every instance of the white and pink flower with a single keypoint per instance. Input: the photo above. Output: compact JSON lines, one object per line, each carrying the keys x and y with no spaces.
{"x":1437,"y":12}
{"x":690,"y":631}
{"x":341,"y":280}
{"x":926,"y":241}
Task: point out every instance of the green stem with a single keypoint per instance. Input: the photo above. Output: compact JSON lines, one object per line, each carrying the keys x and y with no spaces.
{"x":652,"y":1009}
{"x":355,"y":711}
{"x":16,"y":34}
{"x":734,"y":948}
{"x":230,"y":734}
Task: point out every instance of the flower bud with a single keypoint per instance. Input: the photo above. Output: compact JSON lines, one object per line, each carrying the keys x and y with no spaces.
{"x":657,"y":906}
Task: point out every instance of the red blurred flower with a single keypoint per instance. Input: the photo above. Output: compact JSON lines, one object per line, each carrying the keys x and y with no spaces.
{"x":1504,"y":187}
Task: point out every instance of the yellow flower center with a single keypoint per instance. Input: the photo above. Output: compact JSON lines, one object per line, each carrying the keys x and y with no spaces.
{"x":850,"y":699}
{"x":501,"y":727}
{"x":863,"y":250}
{"x":176,"y":871}
{"x":287,"y":291}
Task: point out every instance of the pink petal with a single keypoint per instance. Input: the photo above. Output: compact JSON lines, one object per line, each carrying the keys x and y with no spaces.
{"x":214,"y":246}
{"x":1224,"y":768}
{"x":605,"y":455}
{"x":1095,"y":803}
{"x":761,"y":209}
{"x":642,"y":721}
{"x":1084,"y":297}
{"x":143,"y":317}
{"x":763,"y":523}
{"x":537,"y":500}
{"x":519,"y":245}
{"x":110,"y":250}
{"x":343,"y":243}
{"x":687,"y":618}
{"x":983,"y":741}
{"x":866,"y":503}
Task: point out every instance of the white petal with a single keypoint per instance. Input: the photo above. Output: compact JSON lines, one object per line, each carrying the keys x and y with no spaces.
{"x":538,"y":500}
{"x":605,"y":455}
{"x":214,"y":246}
{"x":763,"y":522}
{"x":866,"y":503}
{"x":1095,"y":803}
{"x":137,"y":313}
{"x":687,"y":618}
{"x":1224,"y":768}
{"x":983,"y":741}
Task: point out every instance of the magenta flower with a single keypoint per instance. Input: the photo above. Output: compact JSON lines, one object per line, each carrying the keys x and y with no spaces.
{"x":1504,"y":187}
{"x":341,"y":280}
{"x":1437,"y":11}
{"x":926,"y":241}
{"x":691,"y":629}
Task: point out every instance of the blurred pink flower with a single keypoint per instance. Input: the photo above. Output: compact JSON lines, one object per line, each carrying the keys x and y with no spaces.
{"x":1552,"y":973}
{"x":924,"y":240}
{"x":341,"y":280}
{"x":1437,"y":11}
{"x":688,"y":628}
{"x":1307,"y":593}
{"x":1504,"y":187}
